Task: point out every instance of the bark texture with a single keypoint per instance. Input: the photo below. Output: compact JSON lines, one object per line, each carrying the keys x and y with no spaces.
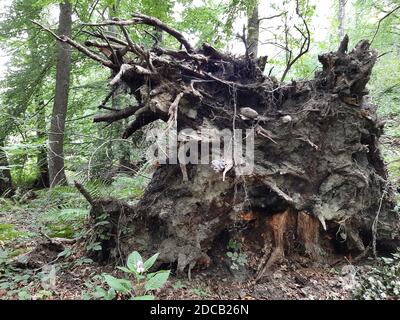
{"x":341,"y":18}
{"x":253,"y":30}
{"x":57,"y":127}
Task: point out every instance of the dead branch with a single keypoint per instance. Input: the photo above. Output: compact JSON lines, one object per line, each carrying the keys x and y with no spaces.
{"x":173,"y":111}
{"x":101,"y":45}
{"x":126,"y":67}
{"x":104,"y":102}
{"x":344,"y":44}
{"x":273,"y":17}
{"x":109,"y":37}
{"x":135,"y":48}
{"x":244,"y":40}
{"x":381,"y":20}
{"x":151,"y":21}
{"x":141,"y":120}
{"x":114,"y":55}
{"x":117,"y":114}
{"x":84,"y":192}
{"x":78,"y":46}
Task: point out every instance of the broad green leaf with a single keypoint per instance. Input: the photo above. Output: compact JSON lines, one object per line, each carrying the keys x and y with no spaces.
{"x":147,"y":297}
{"x":157,"y":281}
{"x":133,"y":259}
{"x":124,"y":269}
{"x":99,"y":292}
{"x":150,"y":261}
{"x":119,"y":285}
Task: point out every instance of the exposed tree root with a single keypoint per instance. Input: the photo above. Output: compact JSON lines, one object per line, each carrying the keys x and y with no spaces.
{"x":316,"y":155}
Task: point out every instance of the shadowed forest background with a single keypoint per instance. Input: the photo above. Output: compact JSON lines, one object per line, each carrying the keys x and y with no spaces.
{"x":62,"y":156}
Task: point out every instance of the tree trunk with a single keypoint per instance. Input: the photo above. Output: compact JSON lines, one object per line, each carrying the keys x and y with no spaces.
{"x":5,"y":173}
{"x":312,"y":180}
{"x":57,"y":127}
{"x":341,"y":18}
{"x":253,"y":29}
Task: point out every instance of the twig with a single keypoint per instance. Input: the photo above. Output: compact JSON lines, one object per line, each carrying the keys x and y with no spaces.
{"x":135,"y":48}
{"x":381,"y":20}
{"x":116,"y":60}
{"x":110,"y":38}
{"x":375,"y":224}
{"x":143,"y":19}
{"x":305,"y":47}
{"x":78,"y":46}
{"x":173,"y":111}
{"x":104,"y":102}
{"x":84,"y":192}
{"x":117,"y":115}
{"x":273,"y":17}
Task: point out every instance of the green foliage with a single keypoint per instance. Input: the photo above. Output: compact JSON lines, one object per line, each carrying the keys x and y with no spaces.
{"x":125,"y":187}
{"x":64,"y":222}
{"x":206,"y":23}
{"x":382,"y":282}
{"x":11,"y":280}
{"x":9,"y":233}
{"x":178,"y":285}
{"x":233,"y":245}
{"x":137,"y":286}
{"x":238,"y":258}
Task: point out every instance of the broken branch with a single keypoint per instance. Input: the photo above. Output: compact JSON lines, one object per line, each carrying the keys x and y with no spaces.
{"x":78,"y":46}
{"x":117,"y":115}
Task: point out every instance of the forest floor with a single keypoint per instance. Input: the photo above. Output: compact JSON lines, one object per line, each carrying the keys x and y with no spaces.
{"x":62,"y":213}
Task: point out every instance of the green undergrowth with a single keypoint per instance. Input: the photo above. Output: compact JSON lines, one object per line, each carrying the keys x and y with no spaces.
{"x":64,"y":222}
{"x":63,"y":211}
{"x":8,"y":232}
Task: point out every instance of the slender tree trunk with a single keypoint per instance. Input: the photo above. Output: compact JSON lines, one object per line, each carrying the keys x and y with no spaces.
{"x":5,"y":174}
{"x":42,"y":180}
{"x":341,"y":18}
{"x":56,"y":136}
{"x":253,"y":28}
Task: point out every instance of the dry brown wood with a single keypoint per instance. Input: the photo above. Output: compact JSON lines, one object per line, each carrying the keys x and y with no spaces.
{"x":84,"y":192}
{"x":278,"y":223}
{"x":141,"y":120}
{"x":151,"y":21}
{"x":79,"y":47}
{"x":117,"y":115}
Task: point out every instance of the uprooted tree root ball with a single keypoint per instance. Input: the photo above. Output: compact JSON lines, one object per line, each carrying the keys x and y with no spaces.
{"x":317,"y":165}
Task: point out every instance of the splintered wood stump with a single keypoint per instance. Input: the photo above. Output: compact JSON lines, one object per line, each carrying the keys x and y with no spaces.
{"x":317,"y":163}
{"x":308,"y":229}
{"x":278,"y":223}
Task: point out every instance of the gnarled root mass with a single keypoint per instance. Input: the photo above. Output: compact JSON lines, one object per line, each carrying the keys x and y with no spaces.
{"x":319,"y":181}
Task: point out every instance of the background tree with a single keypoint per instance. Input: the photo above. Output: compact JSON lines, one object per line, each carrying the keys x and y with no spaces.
{"x":56,"y":135}
{"x":341,"y":18}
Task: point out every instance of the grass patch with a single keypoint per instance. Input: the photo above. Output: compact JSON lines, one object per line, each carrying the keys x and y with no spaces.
{"x":9,"y":233}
